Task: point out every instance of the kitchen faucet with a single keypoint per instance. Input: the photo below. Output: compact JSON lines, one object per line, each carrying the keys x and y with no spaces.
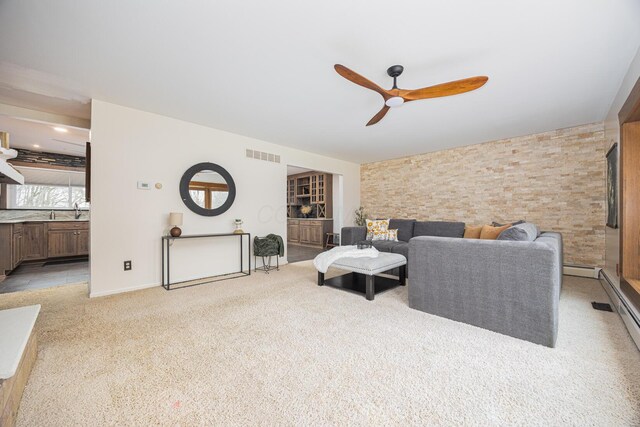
{"x":78,"y":213}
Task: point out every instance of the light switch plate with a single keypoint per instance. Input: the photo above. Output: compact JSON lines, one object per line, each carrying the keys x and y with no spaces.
{"x":143,"y":185}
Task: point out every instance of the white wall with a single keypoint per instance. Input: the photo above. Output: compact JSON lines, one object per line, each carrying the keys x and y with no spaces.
{"x":130,"y":145}
{"x":338,"y":204}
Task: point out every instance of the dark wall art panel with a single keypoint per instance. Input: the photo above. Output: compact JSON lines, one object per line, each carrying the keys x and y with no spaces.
{"x":612,"y":187}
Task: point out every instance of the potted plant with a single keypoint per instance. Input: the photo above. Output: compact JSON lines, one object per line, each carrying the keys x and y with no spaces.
{"x":361,"y":217}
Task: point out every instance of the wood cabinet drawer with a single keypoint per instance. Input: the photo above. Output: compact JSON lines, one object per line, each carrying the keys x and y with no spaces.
{"x":70,"y":225}
{"x":293,"y":222}
{"x":311,"y":223}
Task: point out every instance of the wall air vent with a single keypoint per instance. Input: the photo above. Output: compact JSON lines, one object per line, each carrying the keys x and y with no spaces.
{"x":261,"y":155}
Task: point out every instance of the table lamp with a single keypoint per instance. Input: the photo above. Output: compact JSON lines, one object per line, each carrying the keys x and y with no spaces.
{"x":175,"y":219}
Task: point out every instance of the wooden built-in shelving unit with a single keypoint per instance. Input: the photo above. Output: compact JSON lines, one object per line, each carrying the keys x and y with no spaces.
{"x":310,"y":188}
{"x":314,"y":189}
{"x":629,"y":118}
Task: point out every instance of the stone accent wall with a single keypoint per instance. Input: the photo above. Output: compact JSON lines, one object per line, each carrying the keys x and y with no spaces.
{"x":553,"y":179}
{"x":50,"y":159}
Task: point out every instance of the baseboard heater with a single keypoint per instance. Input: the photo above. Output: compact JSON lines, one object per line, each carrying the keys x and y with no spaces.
{"x":631,"y":321}
{"x":581,"y":271}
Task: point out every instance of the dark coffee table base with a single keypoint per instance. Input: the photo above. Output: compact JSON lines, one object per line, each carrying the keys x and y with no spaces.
{"x":362,"y":283}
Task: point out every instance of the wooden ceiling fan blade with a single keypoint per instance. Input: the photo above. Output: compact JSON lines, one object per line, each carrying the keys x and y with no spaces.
{"x":375,"y":119}
{"x":445,"y":89}
{"x":356,"y":78}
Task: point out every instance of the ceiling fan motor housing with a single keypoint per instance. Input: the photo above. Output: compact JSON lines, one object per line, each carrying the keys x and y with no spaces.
{"x":395,"y":70}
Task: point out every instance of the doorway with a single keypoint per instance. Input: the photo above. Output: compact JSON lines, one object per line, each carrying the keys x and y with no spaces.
{"x":44,"y":212}
{"x":313,"y":197}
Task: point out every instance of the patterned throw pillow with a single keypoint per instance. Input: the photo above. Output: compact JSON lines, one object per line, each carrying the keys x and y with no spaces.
{"x":377,"y":229}
{"x":392,"y":235}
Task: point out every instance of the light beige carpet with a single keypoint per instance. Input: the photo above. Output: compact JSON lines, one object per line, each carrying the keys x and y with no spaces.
{"x":277,"y":349}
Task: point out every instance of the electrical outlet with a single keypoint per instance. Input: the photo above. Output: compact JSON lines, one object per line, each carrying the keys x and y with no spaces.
{"x":127,"y":265}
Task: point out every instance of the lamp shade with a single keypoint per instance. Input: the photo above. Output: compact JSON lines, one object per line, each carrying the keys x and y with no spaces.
{"x":175,"y":218}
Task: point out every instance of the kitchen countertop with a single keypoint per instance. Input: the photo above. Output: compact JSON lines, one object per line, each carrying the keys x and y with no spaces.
{"x":312,"y":219}
{"x":18,"y":221}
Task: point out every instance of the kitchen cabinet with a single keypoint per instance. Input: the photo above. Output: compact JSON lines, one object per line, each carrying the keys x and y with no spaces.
{"x":305,"y":234}
{"x":311,"y":233}
{"x":40,"y":240}
{"x":61,"y":243}
{"x":83,"y":242}
{"x":34,"y":241}
{"x":67,"y":239}
{"x":293,"y":231}
{"x":16,"y":247}
{"x":308,"y":232}
{"x":10,"y":247}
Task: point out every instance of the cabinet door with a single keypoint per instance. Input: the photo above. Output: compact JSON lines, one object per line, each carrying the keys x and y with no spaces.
{"x":291,"y":191}
{"x":314,"y":188}
{"x":305,"y":234}
{"x":34,"y":242}
{"x":293,"y":233}
{"x":62,"y":243}
{"x":83,"y":242}
{"x":321,"y":188}
{"x":17,"y":250}
{"x":316,"y":235}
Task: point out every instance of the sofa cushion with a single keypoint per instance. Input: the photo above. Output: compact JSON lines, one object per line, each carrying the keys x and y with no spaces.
{"x":532,"y":230}
{"x":401,"y":248}
{"x":471,"y":232}
{"x":404,"y":227}
{"x":514,"y":234}
{"x":384,"y":245}
{"x":491,"y":233}
{"x":438,"y":229}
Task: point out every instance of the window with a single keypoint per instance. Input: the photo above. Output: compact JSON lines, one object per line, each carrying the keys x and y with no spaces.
{"x":208,"y":195}
{"x":48,"y":189}
{"x":197,"y":196}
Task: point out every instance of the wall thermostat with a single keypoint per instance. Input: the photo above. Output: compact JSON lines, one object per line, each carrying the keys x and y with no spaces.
{"x":143,"y":185}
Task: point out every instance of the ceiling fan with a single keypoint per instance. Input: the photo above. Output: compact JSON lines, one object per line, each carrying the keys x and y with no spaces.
{"x":395,"y":97}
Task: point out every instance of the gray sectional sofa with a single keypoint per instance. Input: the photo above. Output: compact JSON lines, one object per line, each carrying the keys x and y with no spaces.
{"x":510,"y":287}
{"x":407,"y":229}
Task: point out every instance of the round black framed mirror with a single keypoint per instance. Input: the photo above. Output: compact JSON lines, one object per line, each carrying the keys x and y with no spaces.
{"x":207,"y":189}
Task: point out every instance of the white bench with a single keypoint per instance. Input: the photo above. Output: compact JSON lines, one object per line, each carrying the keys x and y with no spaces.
{"x":18,"y":351}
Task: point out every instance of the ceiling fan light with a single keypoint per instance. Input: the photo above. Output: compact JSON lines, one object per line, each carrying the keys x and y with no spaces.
{"x":395,"y":101}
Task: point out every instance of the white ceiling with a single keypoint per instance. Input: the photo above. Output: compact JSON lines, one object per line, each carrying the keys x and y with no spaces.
{"x":32,"y":89}
{"x":51,"y":176}
{"x":294,"y":170}
{"x":265,"y":69}
{"x":27,"y":134}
